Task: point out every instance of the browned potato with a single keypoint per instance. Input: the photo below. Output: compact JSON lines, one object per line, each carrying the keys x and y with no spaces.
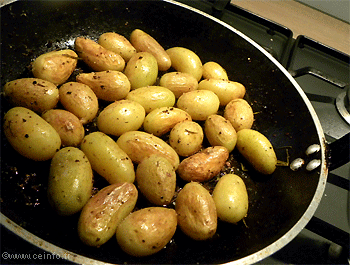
{"x":33,"y":93}
{"x":204,"y":165}
{"x":97,"y":57}
{"x":196,"y":212}
{"x":56,"y":66}
{"x":156,"y":179}
{"x":107,"y":85}
{"x":117,"y":43}
{"x":240,"y":114}
{"x":67,"y":125}
{"x":79,"y":99}
{"x":146,"y":231}
{"x":102,"y":214}
{"x":179,"y":82}
{"x":143,"y":42}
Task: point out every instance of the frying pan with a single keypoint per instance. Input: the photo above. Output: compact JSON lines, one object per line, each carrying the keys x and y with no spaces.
{"x":280,"y":205}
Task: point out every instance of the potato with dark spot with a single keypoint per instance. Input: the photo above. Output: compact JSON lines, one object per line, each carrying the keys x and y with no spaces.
{"x":156,"y":179}
{"x":70,"y":181}
{"x":32,"y":93}
{"x":240,"y":114}
{"x":56,"y":66}
{"x":196,"y":212}
{"x":146,"y":231}
{"x":67,"y":125}
{"x":204,"y":165}
{"x":107,"y":85}
{"x":30,"y":135}
{"x":80,"y":100}
{"x":102,"y":214}
{"x":97,"y":57}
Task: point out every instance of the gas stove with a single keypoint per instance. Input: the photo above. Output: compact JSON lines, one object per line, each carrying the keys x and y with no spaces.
{"x":323,"y":74}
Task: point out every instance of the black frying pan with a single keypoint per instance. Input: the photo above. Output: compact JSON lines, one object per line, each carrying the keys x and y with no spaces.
{"x":280,"y":205}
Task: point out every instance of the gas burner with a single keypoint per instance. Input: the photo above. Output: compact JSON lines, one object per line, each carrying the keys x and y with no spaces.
{"x":343,"y":105}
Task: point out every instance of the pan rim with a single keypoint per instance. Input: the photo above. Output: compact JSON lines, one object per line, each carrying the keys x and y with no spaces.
{"x":253,"y":258}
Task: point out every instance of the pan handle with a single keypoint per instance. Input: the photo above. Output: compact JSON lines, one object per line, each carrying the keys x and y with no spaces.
{"x":339,"y":152}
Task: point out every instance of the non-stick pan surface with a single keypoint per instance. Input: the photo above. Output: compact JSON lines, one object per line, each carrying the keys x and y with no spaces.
{"x":279,"y":205}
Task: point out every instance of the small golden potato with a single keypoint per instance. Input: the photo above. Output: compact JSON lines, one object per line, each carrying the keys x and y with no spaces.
{"x":178,"y":82}
{"x":120,"y":117}
{"x":33,"y":93}
{"x":142,"y":70}
{"x":143,"y":42}
{"x":30,"y":135}
{"x":107,"y":85}
{"x":56,"y":66}
{"x":70,"y":181}
{"x":67,"y":125}
{"x":258,"y":150}
{"x":107,"y":158}
{"x":240,"y":114}
{"x":97,"y":57}
{"x":219,"y":131}
{"x":196,"y":212}
{"x":213,"y":70}
{"x":160,"y":121}
{"x":156,"y":179}
{"x":146,"y":231}
{"x":200,"y":104}
{"x":186,"y":61}
{"x":79,"y":99}
{"x":118,"y":44}
{"x":152,"y":97}
{"x":139,"y":145}
{"x":103,"y":213}
{"x":231,"y":198}
{"x":186,"y":138}
{"x":204,"y":165}
{"x":226,"y":90}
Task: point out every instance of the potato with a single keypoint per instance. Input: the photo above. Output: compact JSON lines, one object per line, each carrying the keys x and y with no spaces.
{"x":97,"y":57}
{"x":107,"y":85}
{"x":196,"y":212}
{"x":56,"y":66}
{"x":120,"y":117}
{"x":102,"y":214}
{"x":146,"y":231}
{"x":200,"y":104}
{"x":142,"y":70}
{"x":143,"y":42}
{"x":67,"y":125}
{"x":240,"y":114}
{"x":226,"y":90}
{"x":118,"y":44}
{"x":186,"y":138}
{"x":186,"y":61}
{"x":107,"y":158}
{"x":30,"y":135}
{"x":178,"y":82}
{"x":258,"y":150}
{"x":70,"y":181}
{"x":162,"y":120}
{"x":152,"y":97}
{"x":231,"y":198}
{"x":213,"y":70}
{"x":32,"y":93}
{"x":156,"y":179}
{"x":80,"y":100}
{"x":204,"y":165}
{"x":219,"y":131}
{"x":139,"y":145}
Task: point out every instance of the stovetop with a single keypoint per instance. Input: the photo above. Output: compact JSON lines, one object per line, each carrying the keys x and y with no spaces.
{"x":323,"y":74}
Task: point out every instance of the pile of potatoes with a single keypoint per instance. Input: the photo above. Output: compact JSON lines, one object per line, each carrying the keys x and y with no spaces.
{"x":162,"y":104}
